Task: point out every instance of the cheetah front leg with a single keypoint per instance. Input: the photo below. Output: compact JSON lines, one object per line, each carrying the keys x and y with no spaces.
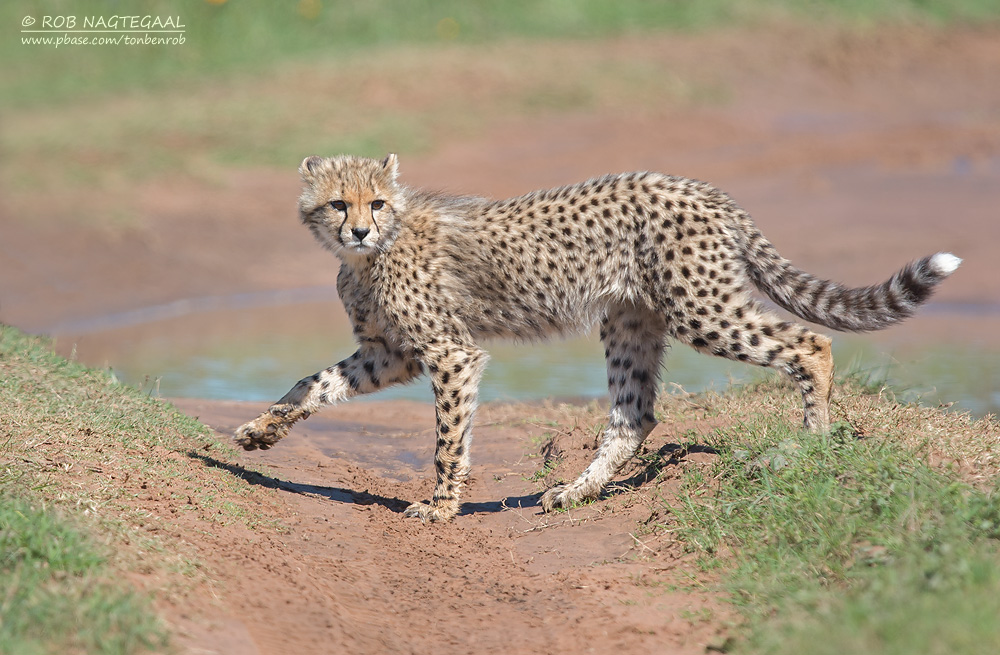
{"x":633,"y":340}
{"x":455,"y":374}
{"x":371,"y":368}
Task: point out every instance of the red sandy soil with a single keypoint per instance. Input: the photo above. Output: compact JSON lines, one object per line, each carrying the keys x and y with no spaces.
{"x":351,"y":575}
{"x":854,"y":154}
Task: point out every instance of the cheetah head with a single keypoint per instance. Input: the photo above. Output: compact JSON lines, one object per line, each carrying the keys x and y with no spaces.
{"x":351,"y":204}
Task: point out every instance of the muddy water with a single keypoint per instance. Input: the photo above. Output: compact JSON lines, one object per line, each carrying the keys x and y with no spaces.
{"x":256,"y":347}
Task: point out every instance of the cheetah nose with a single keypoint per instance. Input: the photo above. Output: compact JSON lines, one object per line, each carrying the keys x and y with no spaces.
{"x":360,"y":233}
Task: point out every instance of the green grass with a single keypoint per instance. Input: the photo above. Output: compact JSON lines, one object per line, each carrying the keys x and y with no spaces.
{"x":57,"y":591}
{"x":89,"y":468}
{"x":852,"y":544}
{"x":226,"y":37}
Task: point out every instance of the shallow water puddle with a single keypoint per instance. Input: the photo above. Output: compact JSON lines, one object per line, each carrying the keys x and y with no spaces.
{"x":256,"y":353}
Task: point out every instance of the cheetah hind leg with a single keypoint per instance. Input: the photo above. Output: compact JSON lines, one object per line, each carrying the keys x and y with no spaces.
{"x":620,"y":443}
{"x":814,"y":376}
{"x":633,"y":338}
{"x":804,"y":356}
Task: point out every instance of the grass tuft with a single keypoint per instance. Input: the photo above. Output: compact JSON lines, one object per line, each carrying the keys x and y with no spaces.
{"x":89,"y":468}
{"x":851,"y":542}
{"x":57,"y":591}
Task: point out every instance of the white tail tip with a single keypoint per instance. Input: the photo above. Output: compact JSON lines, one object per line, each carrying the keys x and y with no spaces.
{"x":945,"y":263}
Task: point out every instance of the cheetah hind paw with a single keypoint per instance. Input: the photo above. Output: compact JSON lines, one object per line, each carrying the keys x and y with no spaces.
{"x":563,"y":496}
{"x":428,"y":513}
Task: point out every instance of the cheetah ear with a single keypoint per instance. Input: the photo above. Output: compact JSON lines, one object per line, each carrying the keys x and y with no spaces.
{"x":311,"y":167}
{"x":391,"y":165}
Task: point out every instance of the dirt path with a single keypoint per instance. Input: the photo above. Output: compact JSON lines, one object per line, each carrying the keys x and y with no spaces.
{"x":350,"y":575}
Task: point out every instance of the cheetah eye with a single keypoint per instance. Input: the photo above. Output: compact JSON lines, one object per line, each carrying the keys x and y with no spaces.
{"x":378,"y":204}
{"x":339,"y":205}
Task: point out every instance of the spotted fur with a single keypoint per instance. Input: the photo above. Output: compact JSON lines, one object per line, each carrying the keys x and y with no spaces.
{"x":426,"y":277}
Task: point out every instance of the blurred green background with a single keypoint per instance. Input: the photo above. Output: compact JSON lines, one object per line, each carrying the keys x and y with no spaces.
{"x":258,"y":82}
{"x":239,"y":36}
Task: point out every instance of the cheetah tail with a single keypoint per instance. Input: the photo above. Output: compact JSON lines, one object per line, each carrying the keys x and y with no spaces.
{"x":842,"y":308}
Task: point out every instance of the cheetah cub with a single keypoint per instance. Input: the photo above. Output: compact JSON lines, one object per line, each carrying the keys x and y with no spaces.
{"x":426,"y":277}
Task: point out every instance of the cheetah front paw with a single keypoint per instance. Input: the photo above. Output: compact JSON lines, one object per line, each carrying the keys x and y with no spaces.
{"x":441,"y":511}
{"x":269,"y":428}
{"x":563,"y":496}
